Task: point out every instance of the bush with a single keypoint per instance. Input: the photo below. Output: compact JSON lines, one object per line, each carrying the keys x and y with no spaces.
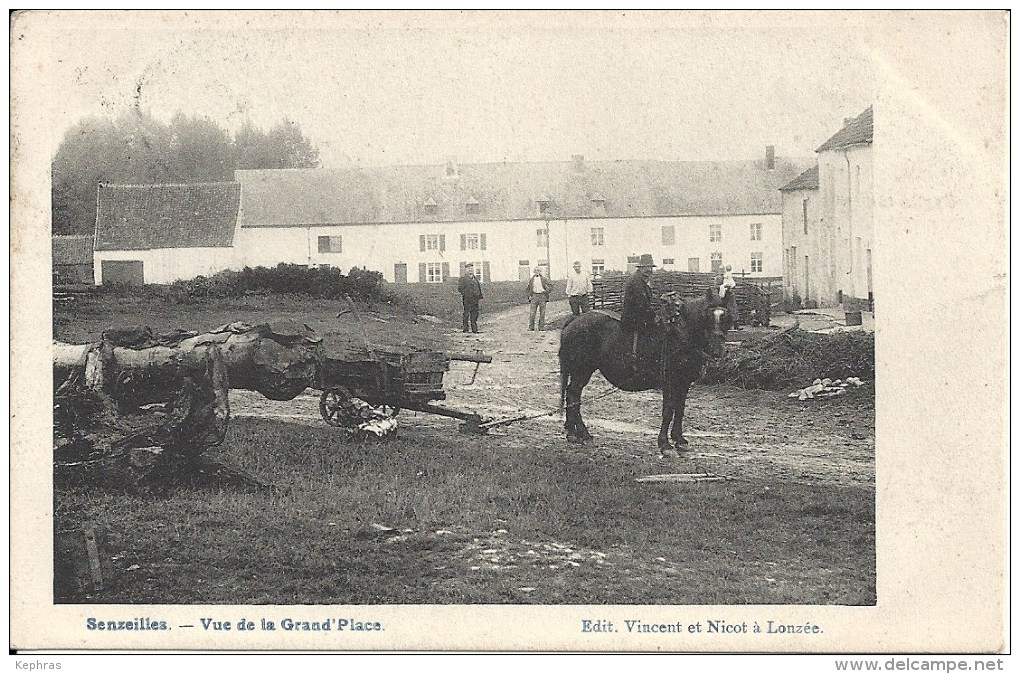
{"x":795,"y":358}
{"x":292,"y":279}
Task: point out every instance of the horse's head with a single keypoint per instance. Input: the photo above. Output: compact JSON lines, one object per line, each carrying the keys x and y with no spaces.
{"x":705,"y":321}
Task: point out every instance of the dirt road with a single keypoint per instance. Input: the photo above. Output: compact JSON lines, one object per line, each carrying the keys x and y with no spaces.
{"x":733,"y":432}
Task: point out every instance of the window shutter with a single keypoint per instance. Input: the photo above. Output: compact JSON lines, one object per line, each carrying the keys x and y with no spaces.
{"x":442,"y":242}
{"x":481,"y":241}
{"x":463,"y":241}
{"x":323,"y":244}
{"x":421,"y":243}
{"x":463,"y":268}
{"x":485,"y":267}
{"x":446,"y":271}
{"x":421,"y":272}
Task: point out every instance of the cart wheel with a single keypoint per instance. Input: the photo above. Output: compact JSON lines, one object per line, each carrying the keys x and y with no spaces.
{"x":336,"y":408}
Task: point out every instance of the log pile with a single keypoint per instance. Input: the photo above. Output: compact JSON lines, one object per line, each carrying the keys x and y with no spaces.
{"x":753,"y":302}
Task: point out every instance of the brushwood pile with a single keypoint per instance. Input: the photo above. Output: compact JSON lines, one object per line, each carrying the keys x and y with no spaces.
{"x":786,"y":360}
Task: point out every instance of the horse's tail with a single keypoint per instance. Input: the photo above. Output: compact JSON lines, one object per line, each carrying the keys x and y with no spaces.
{"x":563,"y":388}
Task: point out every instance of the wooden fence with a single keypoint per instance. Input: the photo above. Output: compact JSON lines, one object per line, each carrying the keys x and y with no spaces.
{"x":754,"y":296}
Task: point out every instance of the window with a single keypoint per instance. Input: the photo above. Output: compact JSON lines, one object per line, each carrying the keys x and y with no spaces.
{"x":331,"y":244}
{"x":434,"y":272}
{"x":667,"y":261}
{"x":432,"y":242}
{"x":541,"y":238}
{"x":430,"y":207}
{"x":544,"y":207}
{"x":598,"y":267}
{"x":598,"y":236}
{"x":693,"y":264}
{"x":668,"y":235}
{"x":715,"y":233}
{"x":598,"y":202}
{"x":472,"y":241}
{"x":472,"y":208}
{"x":804,"y":207}
{"x":716,"y":261}
{"x":756,"y":232}
{"x":756,"y":262}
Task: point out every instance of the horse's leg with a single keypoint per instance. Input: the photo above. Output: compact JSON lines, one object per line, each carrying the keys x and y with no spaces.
{"x":667,"y":418}
{"x":574,"y":388}
{"x":679,"y":402}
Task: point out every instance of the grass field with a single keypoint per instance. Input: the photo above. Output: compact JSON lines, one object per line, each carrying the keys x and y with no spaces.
{"x":510,"y":516}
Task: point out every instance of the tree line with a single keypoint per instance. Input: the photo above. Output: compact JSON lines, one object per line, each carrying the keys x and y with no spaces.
{"x":138,"y":149}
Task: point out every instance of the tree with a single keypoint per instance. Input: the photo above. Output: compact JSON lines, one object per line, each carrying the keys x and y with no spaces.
{"x":199,"y":151}
{"x":283,"y":147}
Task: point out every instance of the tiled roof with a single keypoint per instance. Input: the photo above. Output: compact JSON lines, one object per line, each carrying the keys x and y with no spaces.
{"x":141,"y":217}
{"x":808,"y":180}
{"x":511,"y":191}
{"x":857,"y":132}
{"x":72,"y":249}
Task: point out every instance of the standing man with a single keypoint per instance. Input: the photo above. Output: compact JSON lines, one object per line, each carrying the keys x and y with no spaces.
{"x":538,"y":294}
{"x":471,"y":292}
{"x":638,"y":314}
{"x":729,"y":297}
{"x":578,"y":287}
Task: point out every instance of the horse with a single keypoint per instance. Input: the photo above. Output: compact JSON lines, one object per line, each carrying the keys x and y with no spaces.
{"x":694,"y":333}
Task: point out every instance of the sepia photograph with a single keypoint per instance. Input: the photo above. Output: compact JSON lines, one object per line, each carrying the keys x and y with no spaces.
{"x":488,"y":330}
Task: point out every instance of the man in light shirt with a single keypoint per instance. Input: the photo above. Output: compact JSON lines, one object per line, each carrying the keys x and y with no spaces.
{"x":728,"y":296}
{"x":538,"y":295}
{"x":578,"y":288}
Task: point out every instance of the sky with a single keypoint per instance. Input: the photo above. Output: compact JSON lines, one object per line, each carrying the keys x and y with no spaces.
{"x":411,"y":88}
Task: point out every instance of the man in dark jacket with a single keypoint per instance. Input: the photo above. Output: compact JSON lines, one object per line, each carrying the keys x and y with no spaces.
{"x":638,"y":314}
{"x":471,"y":291}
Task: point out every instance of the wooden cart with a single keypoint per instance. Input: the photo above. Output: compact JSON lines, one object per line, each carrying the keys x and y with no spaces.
{"x":387,"y":380}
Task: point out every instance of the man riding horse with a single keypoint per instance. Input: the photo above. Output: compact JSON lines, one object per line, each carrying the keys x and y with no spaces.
{"x":638,"y":316}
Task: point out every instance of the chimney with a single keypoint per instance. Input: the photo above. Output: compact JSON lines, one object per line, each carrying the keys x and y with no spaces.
{"x":451,"y":167}
{"x":578,"y":161}
{"x":770,"y":157}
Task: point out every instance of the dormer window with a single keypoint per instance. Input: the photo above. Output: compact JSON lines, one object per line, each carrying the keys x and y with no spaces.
{"x":598,"y":202}
{"x":544,"y":204}
{"x":430,"y":207}
{"x":472,"y":207}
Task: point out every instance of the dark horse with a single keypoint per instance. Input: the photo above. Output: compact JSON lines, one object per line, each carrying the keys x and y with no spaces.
{"x":594,"y":341}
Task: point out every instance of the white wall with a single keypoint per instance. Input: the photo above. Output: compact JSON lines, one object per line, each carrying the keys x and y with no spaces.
{"x":507,"y":243}
{"x":166,"y":265}
{"x":845,"y":184}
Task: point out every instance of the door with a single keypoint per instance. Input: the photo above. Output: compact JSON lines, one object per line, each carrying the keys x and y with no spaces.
{"x":523,"y":269}
{"x":124,"y":272}
{"x":400,"y":273}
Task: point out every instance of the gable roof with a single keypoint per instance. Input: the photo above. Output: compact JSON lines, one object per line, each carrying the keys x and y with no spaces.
{"x":858,"y":132}
{"x":512,"y":191}
{"x":75,"y":249}
{"x":142,"y":217}
{"x":808,"y":180}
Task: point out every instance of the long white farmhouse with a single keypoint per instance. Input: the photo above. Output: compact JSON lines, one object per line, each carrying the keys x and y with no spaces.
{"x":424,"y":223}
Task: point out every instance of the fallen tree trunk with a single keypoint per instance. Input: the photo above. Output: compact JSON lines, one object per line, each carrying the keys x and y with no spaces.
{"x":109,"y":434}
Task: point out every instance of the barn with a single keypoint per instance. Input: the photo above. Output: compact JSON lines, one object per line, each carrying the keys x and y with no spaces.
{"x":162,"y":233}
{"x":72,"y":259}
